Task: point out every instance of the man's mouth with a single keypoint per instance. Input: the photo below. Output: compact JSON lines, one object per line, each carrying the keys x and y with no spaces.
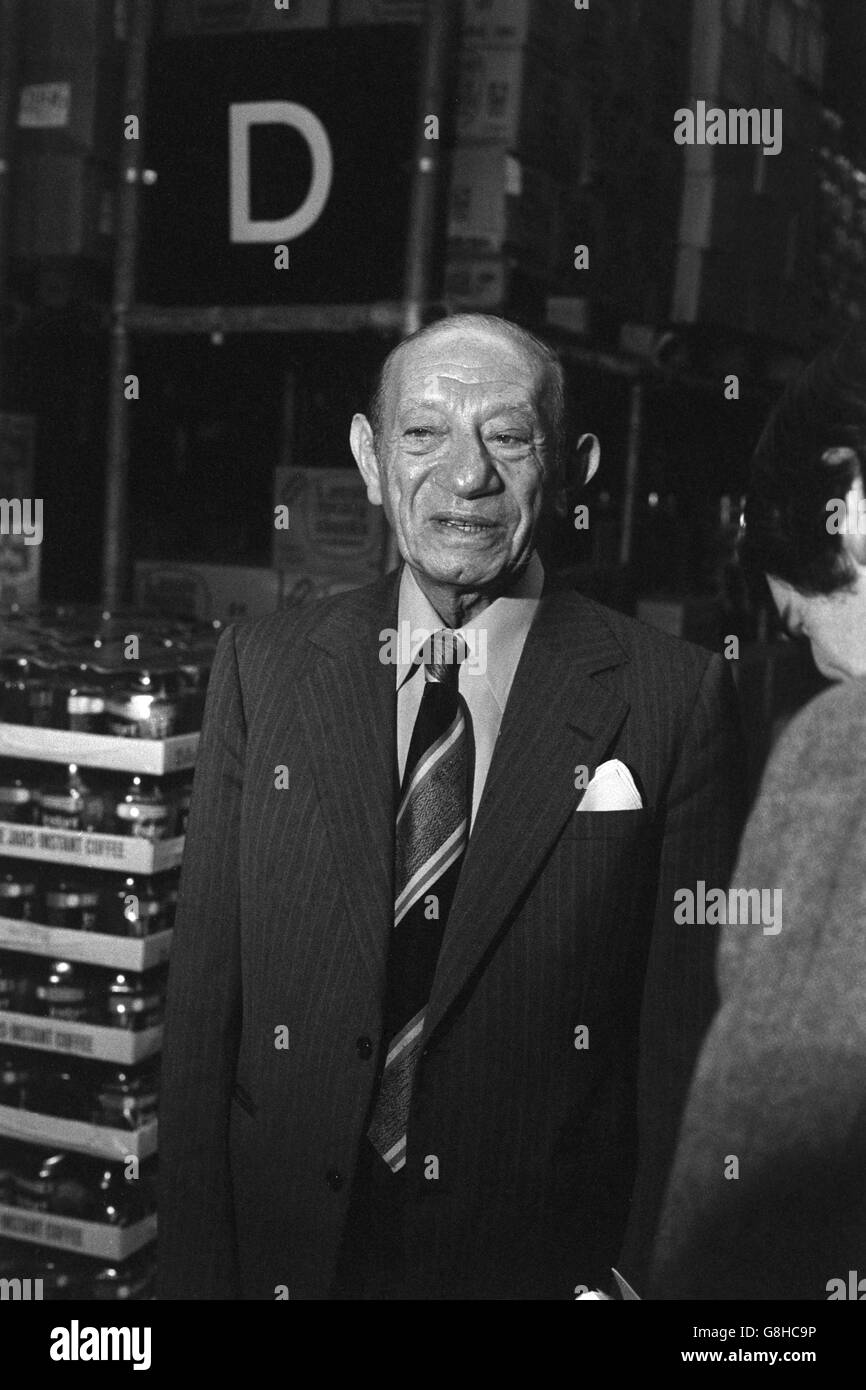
{"x":465,"y":526}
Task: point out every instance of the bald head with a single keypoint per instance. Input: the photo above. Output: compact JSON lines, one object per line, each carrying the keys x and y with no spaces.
{"x":461,"y":326}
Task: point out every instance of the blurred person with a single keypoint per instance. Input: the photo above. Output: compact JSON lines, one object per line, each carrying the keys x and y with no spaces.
{"x":768,"y":1196}
{"x":429,"y":1032}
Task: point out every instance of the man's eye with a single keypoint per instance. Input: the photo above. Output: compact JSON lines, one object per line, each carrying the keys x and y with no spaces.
{"x":510,"y":439}
{"x":419,"y":431}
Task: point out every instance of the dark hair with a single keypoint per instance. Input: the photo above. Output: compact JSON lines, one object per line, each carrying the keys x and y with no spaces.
{"x":811,"y":450}
{"x":535,"y":347}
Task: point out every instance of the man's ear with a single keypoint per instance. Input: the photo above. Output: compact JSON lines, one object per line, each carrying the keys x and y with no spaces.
{"x":581,"y":464}
{"x":364,"y":451}
{"x":588,"y":451}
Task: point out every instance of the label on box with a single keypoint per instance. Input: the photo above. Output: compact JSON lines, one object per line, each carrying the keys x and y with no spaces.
{"x":479,"y":284}
{"x":45,"y":105}
{"x":300,"y":588}
{"x":329,"y":525}
{"x":148,"y":856}
{"x":40,"y":1034}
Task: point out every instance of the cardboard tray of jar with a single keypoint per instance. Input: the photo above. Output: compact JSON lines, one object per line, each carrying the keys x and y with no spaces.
{"x":110,"y":752}
{"x":68,"y":1233}
{"x":99,"y":1141}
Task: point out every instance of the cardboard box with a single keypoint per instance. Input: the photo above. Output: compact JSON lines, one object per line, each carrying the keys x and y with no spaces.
{"x":515,"y":98}
{"x":20,"y":568}
{"x":300,"y":587}
{"x":569,"y":312}
{"x":123,"y":854}
{"x":512,"y":23}
{"x":82,"y":27}
{"x":238,"y":16}
{"x":69,"y":104}
{"x":153,"y":757}
{"x":98,"y":1140}
{"x":84,"y":1237}
{"x":476,"y":282}
{"x":93,"y":948}
{"x":63,"y":207}
{"x":497,"y":202}
{"x":333,"y":530}
{"x":19,"y":563}
{"x":124,"y":1046}
{"x":230,"y":592}
{"x":380,"y":12}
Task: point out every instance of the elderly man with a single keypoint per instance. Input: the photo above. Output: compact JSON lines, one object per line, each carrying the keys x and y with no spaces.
{"x":431,"y":1020}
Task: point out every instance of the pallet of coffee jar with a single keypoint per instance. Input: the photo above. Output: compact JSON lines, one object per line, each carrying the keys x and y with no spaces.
{"x":99,"y":719}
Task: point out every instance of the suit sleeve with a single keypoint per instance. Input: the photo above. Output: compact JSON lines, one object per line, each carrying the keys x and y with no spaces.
{"x":197,"y":1251}
{"x":704,"y":811}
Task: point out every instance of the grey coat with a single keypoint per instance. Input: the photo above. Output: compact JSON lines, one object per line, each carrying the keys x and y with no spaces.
{"x":781,"y":1081}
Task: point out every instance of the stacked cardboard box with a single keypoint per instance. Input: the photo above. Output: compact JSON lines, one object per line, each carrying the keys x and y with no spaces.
{"x":237,"y":16}
{"x":512,"y":157}
{"x":69,"y":127}
{"x":19,"y":559}
{"x":747,"y":224}
{"x":380,"y":11}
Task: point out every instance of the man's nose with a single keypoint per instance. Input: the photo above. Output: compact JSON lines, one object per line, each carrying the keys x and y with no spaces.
{"x":468,"y":468}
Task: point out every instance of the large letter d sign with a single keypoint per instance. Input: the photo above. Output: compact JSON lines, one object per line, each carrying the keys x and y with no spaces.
{"x":241,"y":117}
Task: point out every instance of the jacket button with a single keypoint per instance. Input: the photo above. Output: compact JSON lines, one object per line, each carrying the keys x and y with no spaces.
{"x":334,"y":1178}
{"x":365,"y":1047}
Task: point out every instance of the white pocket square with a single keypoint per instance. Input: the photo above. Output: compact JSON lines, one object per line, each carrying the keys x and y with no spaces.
{"x":612,"y":788}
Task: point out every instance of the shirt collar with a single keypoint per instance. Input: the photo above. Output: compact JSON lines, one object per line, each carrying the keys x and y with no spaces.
{"x":503,"y":626}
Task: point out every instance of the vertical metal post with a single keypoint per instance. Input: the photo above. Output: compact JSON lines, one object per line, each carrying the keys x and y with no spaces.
{"x":10,"y":29}
{"x":632,"y":463}
{"x":435,"y":98}
{"x":125,"y":254}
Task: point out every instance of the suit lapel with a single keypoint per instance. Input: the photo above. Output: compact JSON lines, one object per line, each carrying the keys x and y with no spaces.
{"x":348,"y":708}
{"x":557,"y":718}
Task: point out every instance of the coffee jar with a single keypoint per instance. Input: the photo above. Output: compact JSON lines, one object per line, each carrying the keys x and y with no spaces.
{"x":73,"y":903}
{"x":142,"y":811}
{"x":18,"y":893}
{"x":71,"y":992}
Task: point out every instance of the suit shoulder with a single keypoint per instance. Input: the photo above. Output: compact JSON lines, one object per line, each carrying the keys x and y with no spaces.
{"x":650,"y":645}
{"x":277,"y":632}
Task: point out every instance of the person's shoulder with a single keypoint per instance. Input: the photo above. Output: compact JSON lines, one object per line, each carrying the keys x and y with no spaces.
{"x":829,"y":729}
{"x":288,"y":628}
{"x":644,"y":644}
{"x":841,"y":704}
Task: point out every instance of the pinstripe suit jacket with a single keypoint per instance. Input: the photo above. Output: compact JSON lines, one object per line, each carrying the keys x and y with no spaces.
{"x":551,"y":1156}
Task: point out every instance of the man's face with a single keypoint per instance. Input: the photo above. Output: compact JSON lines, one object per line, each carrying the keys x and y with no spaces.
{"x":465,"y":456}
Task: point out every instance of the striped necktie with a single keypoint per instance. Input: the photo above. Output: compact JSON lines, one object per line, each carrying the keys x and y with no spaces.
{"x":432,"y":830}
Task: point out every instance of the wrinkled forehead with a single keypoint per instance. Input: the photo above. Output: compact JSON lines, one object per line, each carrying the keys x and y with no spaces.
{"x":459,"y":371}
